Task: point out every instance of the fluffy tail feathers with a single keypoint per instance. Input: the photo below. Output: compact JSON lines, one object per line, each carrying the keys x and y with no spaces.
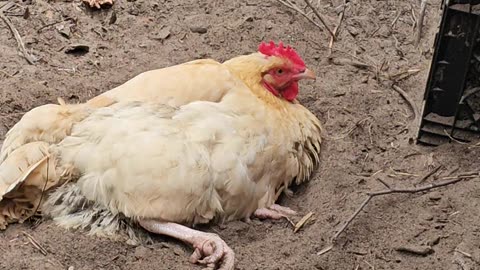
{"x":32,"y":178}
{"x":70,"y":209}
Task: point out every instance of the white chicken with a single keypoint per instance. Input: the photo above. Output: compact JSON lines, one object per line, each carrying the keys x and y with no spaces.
{"x":167,"y":167}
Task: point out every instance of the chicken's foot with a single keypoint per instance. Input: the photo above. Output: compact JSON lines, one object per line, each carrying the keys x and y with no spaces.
{"x":274,"y":211}
{"x":210,"y":249}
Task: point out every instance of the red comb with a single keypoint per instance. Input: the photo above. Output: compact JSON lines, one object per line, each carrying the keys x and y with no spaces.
{"x":271,"y":49}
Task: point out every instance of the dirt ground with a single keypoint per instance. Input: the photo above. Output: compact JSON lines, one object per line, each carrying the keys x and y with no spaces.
{"x":138,"y":35}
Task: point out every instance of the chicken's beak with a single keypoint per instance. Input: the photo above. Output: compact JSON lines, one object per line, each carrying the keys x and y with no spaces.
{"x":306,"y":74}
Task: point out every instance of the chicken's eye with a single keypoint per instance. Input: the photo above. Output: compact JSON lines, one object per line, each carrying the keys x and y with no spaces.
{"x":279,"y":71}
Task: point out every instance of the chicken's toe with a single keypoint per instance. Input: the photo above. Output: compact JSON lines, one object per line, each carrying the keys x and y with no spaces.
{"x":214,"y":250}
{"x":209,"y":248}
{"x":265,"y":213}
{"x":283,"y":209}
{"x":196,"y":256}
{"x":274,"y":211}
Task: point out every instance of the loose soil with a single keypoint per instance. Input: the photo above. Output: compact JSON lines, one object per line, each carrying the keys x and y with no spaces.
{"x":138,"y":35}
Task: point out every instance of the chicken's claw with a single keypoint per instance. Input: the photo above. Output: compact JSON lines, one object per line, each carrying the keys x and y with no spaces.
{"x":210,"y":249}
{"x":98,"y":3}
{"x":274,"y":211}
{"x":213,"y":249}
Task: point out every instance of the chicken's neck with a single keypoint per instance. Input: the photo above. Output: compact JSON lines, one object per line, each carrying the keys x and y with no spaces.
{"x":249,"y":70}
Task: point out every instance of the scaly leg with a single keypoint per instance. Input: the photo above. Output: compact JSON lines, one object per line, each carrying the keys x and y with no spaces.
{"x":275,"y":211}
{"x":208,"y":246}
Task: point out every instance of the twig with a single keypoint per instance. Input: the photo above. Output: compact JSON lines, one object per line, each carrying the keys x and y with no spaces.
{"x":7,"y":6}
{"x":408,"y":99}
{"x":401,"y":53}
{"x":397,"y":191}
{"x":7,"y":74}
{"x":453,"y":139}
{"x":475,"y":145}
{"x":337,"y":28}
{"x":402,"y":173}
{"x":357,"y":124}
{"x":462,"y":175}
{"x":365,"y":202}
{"x":384,"y":183}
{"x":354,"y":56}
{"x":426,"y":176}
{"x":446,"y":181}
{"x":47,"y":25}
{"x":325,"y":250}
{"x":413,"y":17}
{"x":468,"y":255}
{"x":15,"y":33}
{"x":372,"y":67}
{"x":374,"y":31}
{"x":423,"y":7}
{"x":392,"y":25}
{"x":315,"y":11}
{"x":377,"y":71}
{"x":357,"y":64}
{"x":292,"y":6}
{"x":403,"y":74}
{"x":302,"y":222}
{"x":36,"y":244}
{"x":369,"y":264}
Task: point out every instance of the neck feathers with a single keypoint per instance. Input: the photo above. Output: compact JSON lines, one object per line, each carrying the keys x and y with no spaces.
{"x":250,"y":69}
{"x":291,"y":123}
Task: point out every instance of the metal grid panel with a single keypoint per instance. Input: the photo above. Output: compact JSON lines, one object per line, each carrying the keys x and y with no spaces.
{"x":451,"y":106}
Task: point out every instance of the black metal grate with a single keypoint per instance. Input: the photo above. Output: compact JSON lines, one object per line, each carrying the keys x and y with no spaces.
{"x":451,"y":105}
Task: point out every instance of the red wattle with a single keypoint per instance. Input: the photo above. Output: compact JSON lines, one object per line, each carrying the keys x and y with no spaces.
{"x":291,"y":92}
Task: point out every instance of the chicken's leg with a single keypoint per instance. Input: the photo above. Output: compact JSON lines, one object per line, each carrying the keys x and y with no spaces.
{"x":275,"y":211}
{"x":208,"y":246}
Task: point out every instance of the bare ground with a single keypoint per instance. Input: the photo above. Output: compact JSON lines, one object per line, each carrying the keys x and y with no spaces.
{"x":138,"y":35}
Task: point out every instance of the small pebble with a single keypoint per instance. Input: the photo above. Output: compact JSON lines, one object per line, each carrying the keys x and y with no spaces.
{"x":163,"y":34}
{"x":435,"y":196}
{"x":429,"y":217}
{"x":178,"y":251}
{"x":434,"y":241}
{"x":141,"y":252}
{"x":164,"y":245}
{"x":199,"y":30}
{"x":416,"y":250}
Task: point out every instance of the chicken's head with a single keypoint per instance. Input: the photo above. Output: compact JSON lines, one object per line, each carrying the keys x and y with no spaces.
{"x":286,"y":68}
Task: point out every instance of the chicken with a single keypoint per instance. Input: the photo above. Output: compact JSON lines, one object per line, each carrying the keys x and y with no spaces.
{"x":167,"y":167}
